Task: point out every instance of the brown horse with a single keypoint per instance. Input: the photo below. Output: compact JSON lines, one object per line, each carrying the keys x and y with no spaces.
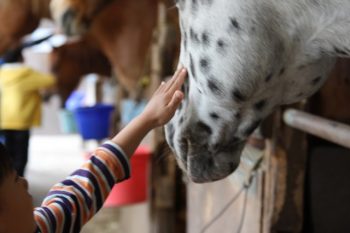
{"x":18,"y":18}
{"x":75,"y":16}
{"x":68,"y":62}
{"x":71,"y":61}
{"x":123,"y":30}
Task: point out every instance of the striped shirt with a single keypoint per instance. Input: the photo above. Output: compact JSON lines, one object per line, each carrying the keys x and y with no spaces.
{"x":72,"y":202}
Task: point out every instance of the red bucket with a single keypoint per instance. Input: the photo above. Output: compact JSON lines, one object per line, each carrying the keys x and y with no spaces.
{"x":135,"y":189}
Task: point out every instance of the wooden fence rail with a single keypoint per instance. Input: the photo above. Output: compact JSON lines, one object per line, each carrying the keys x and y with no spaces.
{"x":330,"y":130}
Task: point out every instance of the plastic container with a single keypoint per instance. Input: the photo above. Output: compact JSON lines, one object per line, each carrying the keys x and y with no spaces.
{"x":93,"y":122}
{"x":135,"y":189}
{"x":67,"y":121}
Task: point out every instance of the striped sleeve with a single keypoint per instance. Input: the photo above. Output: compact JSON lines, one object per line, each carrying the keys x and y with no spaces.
{"x":72,"y":202}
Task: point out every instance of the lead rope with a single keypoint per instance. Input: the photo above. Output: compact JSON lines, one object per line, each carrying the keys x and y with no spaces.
{"x":245,"y":188}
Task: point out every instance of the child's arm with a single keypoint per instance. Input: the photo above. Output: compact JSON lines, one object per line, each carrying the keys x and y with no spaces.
{"x":71,"y":203}
{"x":158,"y":111}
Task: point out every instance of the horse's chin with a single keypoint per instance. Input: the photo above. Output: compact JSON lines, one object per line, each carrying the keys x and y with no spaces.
{"x":207,"y":168}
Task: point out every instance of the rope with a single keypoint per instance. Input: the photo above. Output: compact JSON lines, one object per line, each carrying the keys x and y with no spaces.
{"x":232,"y":201}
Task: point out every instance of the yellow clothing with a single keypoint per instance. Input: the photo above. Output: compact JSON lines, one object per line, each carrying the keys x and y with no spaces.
{"x":20,"y":97}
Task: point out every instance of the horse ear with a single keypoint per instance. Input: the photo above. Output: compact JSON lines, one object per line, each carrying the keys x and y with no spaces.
{"x":333,"y":39}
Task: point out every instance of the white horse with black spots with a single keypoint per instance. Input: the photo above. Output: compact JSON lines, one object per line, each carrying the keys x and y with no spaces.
{"x":244,"y":59}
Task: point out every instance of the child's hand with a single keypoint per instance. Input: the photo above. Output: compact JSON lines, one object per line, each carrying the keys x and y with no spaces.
{"x":165,"y":100}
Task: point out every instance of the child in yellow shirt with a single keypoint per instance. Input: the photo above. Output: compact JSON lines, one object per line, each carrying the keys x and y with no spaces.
{"x":20,"y":105}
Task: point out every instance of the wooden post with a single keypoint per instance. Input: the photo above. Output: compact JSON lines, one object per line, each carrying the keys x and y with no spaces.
{"x":285,"y":174}
{"x":167,"y":196}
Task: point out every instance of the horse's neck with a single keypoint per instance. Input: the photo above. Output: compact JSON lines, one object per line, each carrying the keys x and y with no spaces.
{"x":319,"y":25}
{"x":41,"y":8}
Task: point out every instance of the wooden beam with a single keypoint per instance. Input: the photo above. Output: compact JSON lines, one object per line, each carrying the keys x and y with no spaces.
{"x":330,"y":130}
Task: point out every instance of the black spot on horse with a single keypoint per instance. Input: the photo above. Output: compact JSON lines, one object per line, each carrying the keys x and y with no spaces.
{"x":194,"y":36}
{"x":250,"y":129}
{"x":204,"y":64}
{"x":214,"y":116}
{"x":204,"y":127}
{"x":282,"y":71}
{"x":259,"y":106}
{"x":238,"y":96}
{"x":205,"y":39}
{"x":238,"y":115}
{"x":215,"y":86}
{"x":221,"y":44}
{"x":192,"y":67}
{"x":316,"y":80}
{"x":187,"y":87}
{"x":181,"y":120}
{"x":268,"y":77}
{"x":234,"y":24}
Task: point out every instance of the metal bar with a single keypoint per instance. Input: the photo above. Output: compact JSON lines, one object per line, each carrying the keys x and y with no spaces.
{"x":330,"y":130}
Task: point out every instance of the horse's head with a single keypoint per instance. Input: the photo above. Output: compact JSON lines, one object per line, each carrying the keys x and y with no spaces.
{"x":244,"y":59}
{"x":75,"y":16}
{"x":71,"y":61}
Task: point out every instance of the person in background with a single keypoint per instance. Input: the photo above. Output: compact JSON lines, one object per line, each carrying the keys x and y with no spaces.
{"x":20,"y":104}
{"x":74,"y":201}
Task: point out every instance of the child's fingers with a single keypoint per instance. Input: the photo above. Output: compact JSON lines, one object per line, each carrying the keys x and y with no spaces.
{"x":176,"y":100}
{"x":171,"y":82}
{"x":180,"y":79}
{"x":161,"y":87}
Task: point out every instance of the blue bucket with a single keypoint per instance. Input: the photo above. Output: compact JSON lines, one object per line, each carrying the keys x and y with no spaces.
{"x":93,"y":122}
